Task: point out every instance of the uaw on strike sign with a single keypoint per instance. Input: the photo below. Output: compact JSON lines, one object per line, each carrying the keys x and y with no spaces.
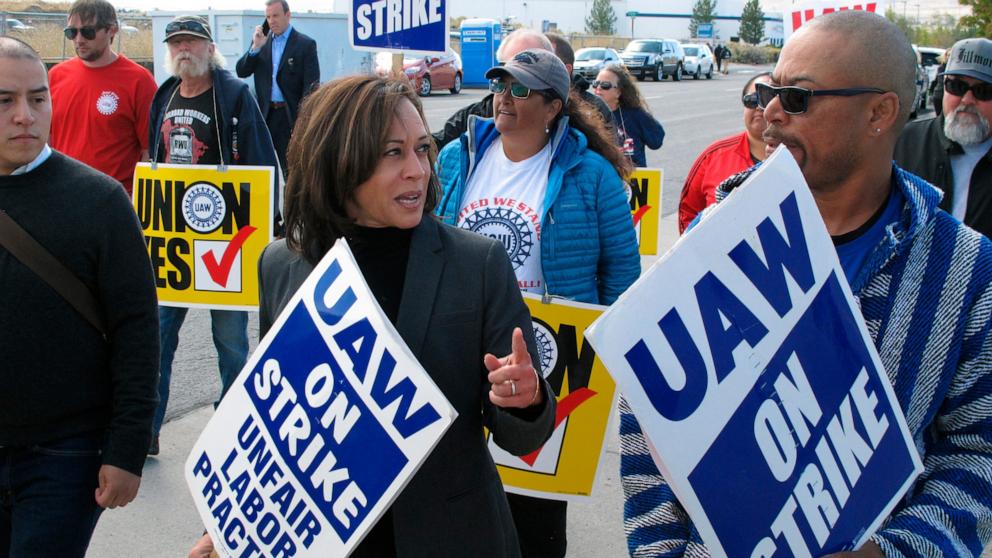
{"x":329,"y":419}
{"x":749,"y":367}
{"x":205,"y":230}
{"x":565,"y":467}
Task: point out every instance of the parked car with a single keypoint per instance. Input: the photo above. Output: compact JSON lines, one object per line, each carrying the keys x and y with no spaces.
{"x":699,"y":60}
{"x":427,"y":72}
{"x":589,"y":61}
{"x":928,"y":57}
{"x":922,"y":87}
{"x":654,"y":57}
{"x":11,"y":24}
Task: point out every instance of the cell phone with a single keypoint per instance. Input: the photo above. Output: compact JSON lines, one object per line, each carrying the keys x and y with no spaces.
{"x":265,"y":27}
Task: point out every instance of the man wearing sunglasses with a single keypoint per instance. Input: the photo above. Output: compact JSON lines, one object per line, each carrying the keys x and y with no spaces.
{"x":954,"y":150}
{"x":100,"y":99}
{"x":844,"y":91}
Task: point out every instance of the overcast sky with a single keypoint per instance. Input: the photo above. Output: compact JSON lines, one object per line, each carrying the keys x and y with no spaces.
{"x":925,"y":7}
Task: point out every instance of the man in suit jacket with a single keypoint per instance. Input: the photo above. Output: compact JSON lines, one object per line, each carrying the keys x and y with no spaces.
{"x":279,"y":92}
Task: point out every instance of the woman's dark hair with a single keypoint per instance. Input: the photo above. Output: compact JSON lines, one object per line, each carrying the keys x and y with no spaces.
{"x":753,"y":79}
{"x":630,"y":95}
{"x":587,"y":119}
{"x":337,"y":142}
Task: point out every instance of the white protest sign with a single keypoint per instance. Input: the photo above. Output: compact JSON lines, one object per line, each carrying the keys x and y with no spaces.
{"x":328,"y":421}
{"x":746,"y":361}
{"x":803,"y":12}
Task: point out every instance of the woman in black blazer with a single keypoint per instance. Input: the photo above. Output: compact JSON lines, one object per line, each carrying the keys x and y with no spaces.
{"x":361,"y":167}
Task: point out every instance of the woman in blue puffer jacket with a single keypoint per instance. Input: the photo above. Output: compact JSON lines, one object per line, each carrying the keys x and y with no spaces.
{"x":543,"y":177}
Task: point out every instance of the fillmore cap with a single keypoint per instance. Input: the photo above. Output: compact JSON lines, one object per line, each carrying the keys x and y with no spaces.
{"x":188,"y":25}
{"x":537,"y":69}
{"x":972,"y":58}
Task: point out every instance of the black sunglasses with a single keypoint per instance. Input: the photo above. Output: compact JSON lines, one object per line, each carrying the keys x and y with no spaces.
{"x":750,"y":101}
{"x":795,"y":100}
{"x":88,"y":32}
{"x":517,"y":89}
{"x":176,"y":26}
{"x":604,"y":85}
{"x":960,"y":88}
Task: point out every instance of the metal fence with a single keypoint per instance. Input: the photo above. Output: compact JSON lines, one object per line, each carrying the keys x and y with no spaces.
{"x":43,"y":31}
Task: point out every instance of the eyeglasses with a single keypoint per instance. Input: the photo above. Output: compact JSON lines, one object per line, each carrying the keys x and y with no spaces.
{"x":517,"y":89}
{"x":604,"y":85}
{"x":795,"y":100}
{"x":960,"y":88}
{"x":750,"y":101}
{"x":176,"y":26}
{"x":88,"y":32}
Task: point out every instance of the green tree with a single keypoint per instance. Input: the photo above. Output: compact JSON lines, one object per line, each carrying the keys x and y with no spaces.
{"x":752,"y":23}
{"x":702,"y":12}
{"x":981,"y":16}
{"x":601,"y":19}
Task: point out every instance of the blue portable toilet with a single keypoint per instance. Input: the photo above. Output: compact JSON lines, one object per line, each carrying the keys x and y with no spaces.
{"x":480,"y":41}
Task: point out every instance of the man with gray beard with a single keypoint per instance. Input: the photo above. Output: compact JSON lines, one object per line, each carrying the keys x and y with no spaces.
{"x":954,"y":151}
{"x":203,"y":115}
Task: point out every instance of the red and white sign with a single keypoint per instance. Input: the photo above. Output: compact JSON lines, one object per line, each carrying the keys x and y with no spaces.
{"x":802,"y":13}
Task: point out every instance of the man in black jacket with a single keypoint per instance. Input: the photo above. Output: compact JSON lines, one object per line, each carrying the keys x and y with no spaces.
{"x":76,"y":403}
{"x":280,"y":91}
{"x":954,"y":151}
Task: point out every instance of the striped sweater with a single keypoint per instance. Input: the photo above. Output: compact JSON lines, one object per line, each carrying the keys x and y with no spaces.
{"x":926,"y":297}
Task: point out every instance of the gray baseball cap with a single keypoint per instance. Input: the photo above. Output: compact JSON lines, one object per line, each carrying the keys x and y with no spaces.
{"x":972,"y":58}
{"x":537,"y":69}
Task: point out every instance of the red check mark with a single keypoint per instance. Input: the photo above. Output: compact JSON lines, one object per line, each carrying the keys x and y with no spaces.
{"x":566,"y":407}
{"x":221,"y":272}
{"x":639,"y":214}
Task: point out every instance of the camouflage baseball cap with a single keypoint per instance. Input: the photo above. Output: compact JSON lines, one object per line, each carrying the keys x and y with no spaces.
{"x":192,"y":25}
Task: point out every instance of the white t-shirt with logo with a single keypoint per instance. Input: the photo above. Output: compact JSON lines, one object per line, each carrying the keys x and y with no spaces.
{"x":504,"y":201}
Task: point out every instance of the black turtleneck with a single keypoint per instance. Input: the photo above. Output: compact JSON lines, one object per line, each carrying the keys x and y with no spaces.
{"x":382,"y":254}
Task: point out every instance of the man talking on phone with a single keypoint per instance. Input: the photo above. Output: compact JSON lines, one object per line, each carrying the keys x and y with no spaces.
{"x":284,"y":63}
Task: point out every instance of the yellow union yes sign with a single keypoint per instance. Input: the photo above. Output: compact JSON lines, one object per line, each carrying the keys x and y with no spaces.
{"x":205,"y":230}
{"x":644,"y":194}
{"x":565,"y":467}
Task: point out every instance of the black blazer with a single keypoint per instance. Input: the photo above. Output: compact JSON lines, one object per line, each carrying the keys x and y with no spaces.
{"x":299,"y":72}
{"x":460,"y":301}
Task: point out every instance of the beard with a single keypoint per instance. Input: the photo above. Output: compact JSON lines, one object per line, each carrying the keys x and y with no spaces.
{"x":186,"y":65}
{"x":966,"y":126}
{"x":92,"y":55}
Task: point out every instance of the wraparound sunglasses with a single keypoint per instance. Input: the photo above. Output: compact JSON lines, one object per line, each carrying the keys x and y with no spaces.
{"x":795,"y":100}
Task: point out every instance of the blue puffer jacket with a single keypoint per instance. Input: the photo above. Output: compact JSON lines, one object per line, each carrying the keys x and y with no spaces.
{"x":588,"y":245}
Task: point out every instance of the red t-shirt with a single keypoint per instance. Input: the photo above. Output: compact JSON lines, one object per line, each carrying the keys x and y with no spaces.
{"x":100,"y":115}
{"x":718,"y":162}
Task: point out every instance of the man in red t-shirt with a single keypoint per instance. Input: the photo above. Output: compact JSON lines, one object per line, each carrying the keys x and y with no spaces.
{"x":100,"y":99}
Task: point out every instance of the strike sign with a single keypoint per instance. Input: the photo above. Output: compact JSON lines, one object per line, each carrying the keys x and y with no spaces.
{"x":326,"y":424}
{"x":746,"y":361}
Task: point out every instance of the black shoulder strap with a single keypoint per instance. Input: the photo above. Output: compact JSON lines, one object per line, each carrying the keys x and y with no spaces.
{"x":35,"y":257}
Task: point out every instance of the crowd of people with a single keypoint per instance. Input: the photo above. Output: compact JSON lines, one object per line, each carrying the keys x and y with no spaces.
{"x":88,"y":351}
